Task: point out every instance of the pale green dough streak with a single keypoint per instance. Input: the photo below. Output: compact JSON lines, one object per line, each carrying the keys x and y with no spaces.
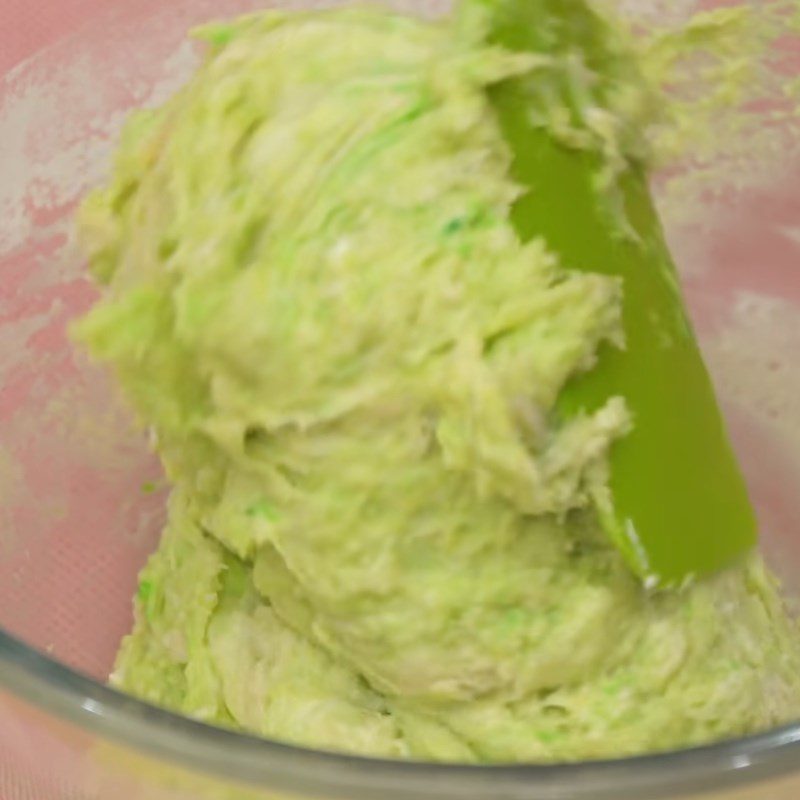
{"x":381,"y":537}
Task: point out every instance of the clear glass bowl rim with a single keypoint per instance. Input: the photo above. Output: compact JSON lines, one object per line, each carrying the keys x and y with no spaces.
{"x":229,"y":756}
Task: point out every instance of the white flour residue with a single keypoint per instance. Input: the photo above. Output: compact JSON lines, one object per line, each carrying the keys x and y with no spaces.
{"x":668,"y":12}
{"x":59,"y":117}
{"x":755,"y":364}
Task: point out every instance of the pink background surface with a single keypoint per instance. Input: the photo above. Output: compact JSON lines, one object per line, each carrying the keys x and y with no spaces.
{"x":88,"y":527}
{"x":38,"y":24}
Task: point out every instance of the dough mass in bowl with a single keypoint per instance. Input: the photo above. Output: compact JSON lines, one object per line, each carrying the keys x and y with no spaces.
{"x":381,"y":535}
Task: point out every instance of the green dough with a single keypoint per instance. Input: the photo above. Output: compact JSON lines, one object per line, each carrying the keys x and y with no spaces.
{"x":381,"y":536}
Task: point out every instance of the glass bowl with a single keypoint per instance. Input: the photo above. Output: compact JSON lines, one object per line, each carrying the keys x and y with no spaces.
{"x":75,"y":526}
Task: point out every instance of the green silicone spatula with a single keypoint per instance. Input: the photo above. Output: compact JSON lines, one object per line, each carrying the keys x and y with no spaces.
{"x":680,"y":505}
